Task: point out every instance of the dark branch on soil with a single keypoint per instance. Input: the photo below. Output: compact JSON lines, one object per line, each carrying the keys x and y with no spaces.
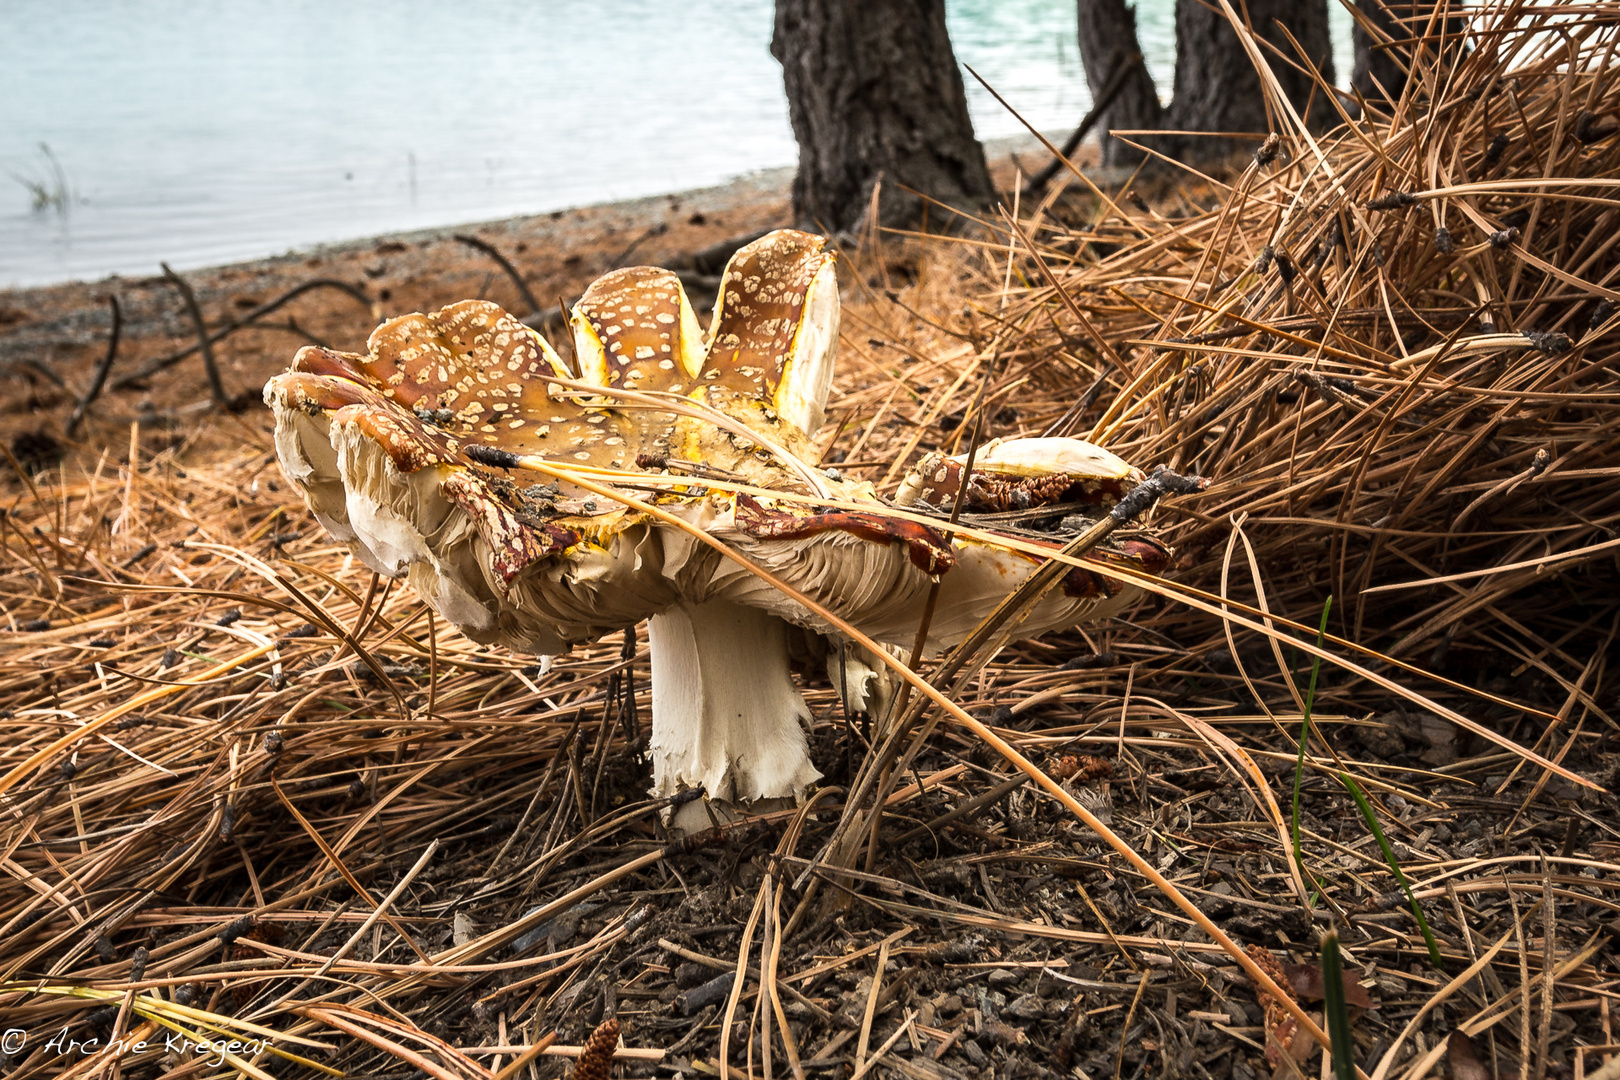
{"x":505,"y":264}
{"x":99,"y":380}
{"x":216,"y":388}
{"x":152,"y":367}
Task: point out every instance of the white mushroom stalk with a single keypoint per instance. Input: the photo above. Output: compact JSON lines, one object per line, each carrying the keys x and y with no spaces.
{"x":735,"y":725}
{"x":461,"y":455}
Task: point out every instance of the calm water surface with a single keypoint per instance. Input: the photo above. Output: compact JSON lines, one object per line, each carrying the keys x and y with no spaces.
{"x":207,"y":131}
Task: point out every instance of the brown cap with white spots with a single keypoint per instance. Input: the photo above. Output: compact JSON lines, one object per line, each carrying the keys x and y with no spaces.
{"x":471,"y":373}
{"x":764,"y":291}
{"x":634,"y":329}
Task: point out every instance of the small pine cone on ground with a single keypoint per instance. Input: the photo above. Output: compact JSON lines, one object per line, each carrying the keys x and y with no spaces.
{"x":1280,"y":1026}
{"x":596,"y":1061}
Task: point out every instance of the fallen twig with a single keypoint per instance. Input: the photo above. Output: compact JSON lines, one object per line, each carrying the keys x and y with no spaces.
{"x":162,"y":363}
{"x":216,"y":388}
{"x":505,"y":264}
{"x":99,"y":379}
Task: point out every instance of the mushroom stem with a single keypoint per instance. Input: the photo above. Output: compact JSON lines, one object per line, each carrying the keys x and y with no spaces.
{"x":863,"y":682}
{"x":726,"y":715}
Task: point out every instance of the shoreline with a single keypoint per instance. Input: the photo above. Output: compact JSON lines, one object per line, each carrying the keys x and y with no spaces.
{"x":762,"y":184}
{"x":52,"y":337}
{"x":558,"y":252}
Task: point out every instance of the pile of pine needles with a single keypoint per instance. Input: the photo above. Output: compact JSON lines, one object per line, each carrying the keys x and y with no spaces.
{"x":1393,"y":350}
{"x":252,"y":793}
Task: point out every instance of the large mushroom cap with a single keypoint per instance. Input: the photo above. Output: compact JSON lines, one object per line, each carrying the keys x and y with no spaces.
{"x":379,"y":444}
{"x":462,"y":453}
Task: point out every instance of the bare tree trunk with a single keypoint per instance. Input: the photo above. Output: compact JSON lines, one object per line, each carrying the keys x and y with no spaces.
{"x":1381,"y":70}
{"x":1217,"y":86}
{"x":873,"y":91}
{"x":1107,"y":40}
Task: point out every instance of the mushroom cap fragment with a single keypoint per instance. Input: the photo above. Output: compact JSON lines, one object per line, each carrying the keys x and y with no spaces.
{"x":1020,"y":473}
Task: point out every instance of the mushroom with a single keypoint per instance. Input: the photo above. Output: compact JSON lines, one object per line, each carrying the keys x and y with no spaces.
{"x":463,"y":454}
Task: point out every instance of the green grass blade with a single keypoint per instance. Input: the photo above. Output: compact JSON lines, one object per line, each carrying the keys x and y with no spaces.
{"x":1304,"y":739}
{"x":1395,"y":867}
{"x":1335,"y":1009}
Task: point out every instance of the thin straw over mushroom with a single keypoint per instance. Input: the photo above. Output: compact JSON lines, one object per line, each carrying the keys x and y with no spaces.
{"x":416,"y":456}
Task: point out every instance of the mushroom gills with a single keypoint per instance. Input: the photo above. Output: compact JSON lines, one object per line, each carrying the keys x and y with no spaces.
{"x":865,"y":684}
{"x":392,"y":518}
{"x":726,"y":715}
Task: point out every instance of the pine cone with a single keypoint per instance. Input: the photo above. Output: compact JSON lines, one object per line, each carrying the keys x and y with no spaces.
{"x":1280,"y":1025}
{"x":596,"y":1062}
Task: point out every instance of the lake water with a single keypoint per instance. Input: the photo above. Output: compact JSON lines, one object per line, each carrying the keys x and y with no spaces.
{"x":209,"y":131}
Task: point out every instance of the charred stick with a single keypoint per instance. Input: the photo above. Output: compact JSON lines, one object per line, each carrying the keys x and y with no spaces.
{"x":1392,"y":201}
{"x":152,"y":367}
{"x":137,"y":964}
{"x":216,"y":388}
{"x":1550,"y":342}
{"x":709,"y":993}
{"x":142,"y":552}
{"x":561,"y":930}
{"x":492,"y":456}
{"x":972,"y":806}
{"x":1493,"y":152}
{"x":99,"y":380}
{"x":1602,"y":312}
{"x":1116,"y":83}
{"x":505,"y":264}
{"x":730,"y":969}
